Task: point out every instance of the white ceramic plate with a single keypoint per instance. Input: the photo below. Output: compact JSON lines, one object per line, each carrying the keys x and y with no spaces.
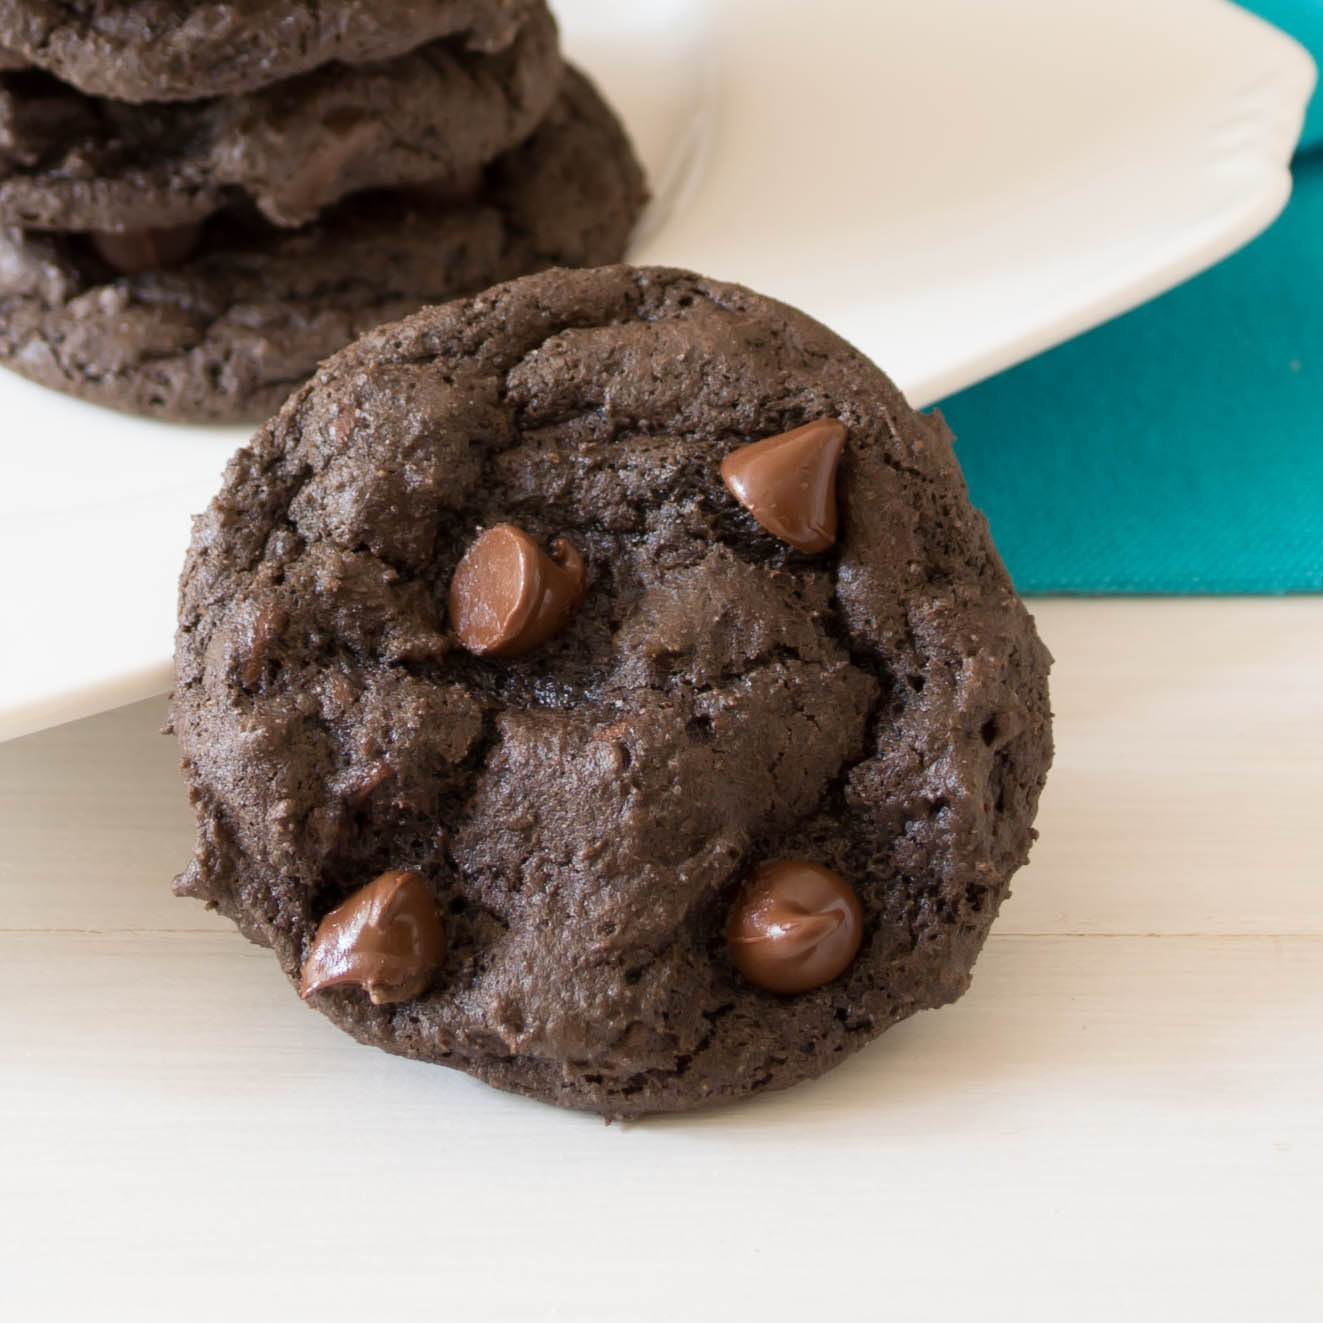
{"x":953,"y":185}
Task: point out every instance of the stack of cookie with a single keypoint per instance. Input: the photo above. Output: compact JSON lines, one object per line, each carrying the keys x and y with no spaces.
{"x":201,"y":199}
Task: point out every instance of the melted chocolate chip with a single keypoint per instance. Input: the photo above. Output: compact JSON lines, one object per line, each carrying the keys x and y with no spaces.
{"x":315,"y":181}
{"x":508,"y":595}
{"x":132,"y":252}
{"x":788,"y":482}
{"x":386,"y":938}
{"x":795,"y":926}
{"x":448,"y":191}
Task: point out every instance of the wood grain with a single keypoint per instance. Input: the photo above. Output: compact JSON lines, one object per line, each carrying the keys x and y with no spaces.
{"x":1124,"y":1117}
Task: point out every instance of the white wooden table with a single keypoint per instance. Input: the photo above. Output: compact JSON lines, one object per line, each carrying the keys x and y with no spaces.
{"x":1122,"y":1120}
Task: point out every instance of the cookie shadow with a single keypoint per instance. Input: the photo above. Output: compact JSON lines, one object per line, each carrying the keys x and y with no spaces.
{"x":1052,"y":1026}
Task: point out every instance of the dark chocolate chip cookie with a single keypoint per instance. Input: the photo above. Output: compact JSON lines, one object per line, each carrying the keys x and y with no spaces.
{"x":248,"y":310}
{"x":521,"y":725}
{"x":73,"y":162}
{"x":180,"y":50}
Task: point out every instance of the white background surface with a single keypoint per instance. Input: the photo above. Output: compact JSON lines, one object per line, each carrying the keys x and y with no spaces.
{"x":1123,"y":1119}
{"x":951,"y":184}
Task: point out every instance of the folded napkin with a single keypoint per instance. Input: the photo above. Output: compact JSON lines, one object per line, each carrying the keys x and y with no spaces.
{"x":1303,"y":19}
{"x":1178,"y":449}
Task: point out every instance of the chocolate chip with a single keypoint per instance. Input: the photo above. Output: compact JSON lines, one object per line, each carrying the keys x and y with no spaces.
{"x":132,"y":252}
{"x":387,"y":938}
{"x":315,"y":180}
{"x":794,"y":927}
{"x":508,"y":595}
{"x":447,"y":191}
{"x":788,"y":482}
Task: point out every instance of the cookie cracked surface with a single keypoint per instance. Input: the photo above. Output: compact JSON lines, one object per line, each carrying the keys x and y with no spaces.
{"x":585,"y":814}
{"x":180,"y":50}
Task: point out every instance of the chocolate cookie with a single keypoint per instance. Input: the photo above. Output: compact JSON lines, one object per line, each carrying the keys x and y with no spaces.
{"x":73,"y":162}
{"x":180,"y":50}
{"x":231,"y":329}
{"x":603,"y":686}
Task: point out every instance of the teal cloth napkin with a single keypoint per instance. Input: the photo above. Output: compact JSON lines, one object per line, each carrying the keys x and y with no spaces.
{"x":1178,"y":449}
{"x":1303,"y":19}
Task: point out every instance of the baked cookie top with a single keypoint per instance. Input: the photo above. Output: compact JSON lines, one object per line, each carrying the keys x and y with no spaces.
{"x":179,"y":50}
{"x":709,"y":776}
{"x":222,"y":320}
{"x":73,"y":162}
